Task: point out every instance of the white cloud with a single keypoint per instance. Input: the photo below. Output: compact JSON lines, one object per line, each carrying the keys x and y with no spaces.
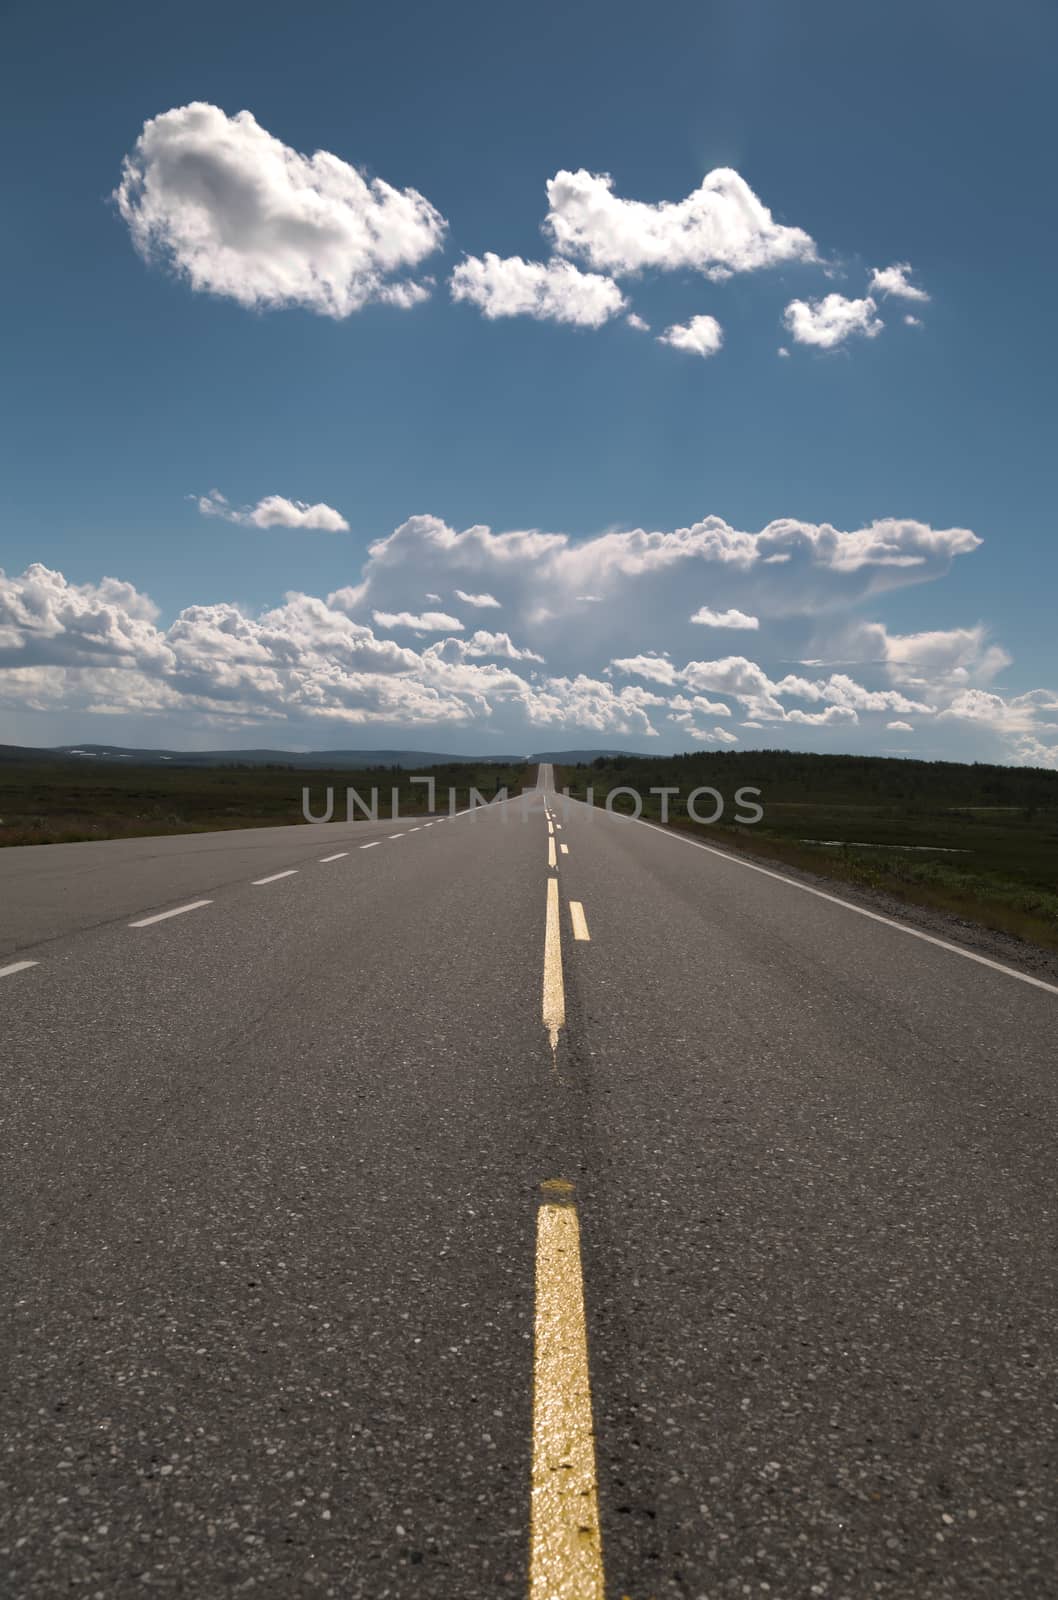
{"x":239,"y":214}
{"x":592,"y":703}
{"x":657,"y":668}
{"x":405,"y":295}
{"x":899,"y":727}
{"x":635,"y":321}
{"x":822,"y":719}
{"x":483,"y":643}
{"x":783,"y":352}
{"x":719,"y":229}
{"x":702,"y":336}
{"x":554,"y":291}
{"x":1032,"y":752}
{"x":941,"y":660}
{"x":479,"y":600}
{"x":542,"y":579}
{"x":913,"y":322}
{"x":274,"y":511}
{"x":829,"y":322}
{"x":893,"y":280}
{"x":425,"y":622}
{"x":713,"y":735}
{"x":977,"y":705}
{"x":93,"y":649}
{"x":684,"y":707}
{"x":724,"y":619}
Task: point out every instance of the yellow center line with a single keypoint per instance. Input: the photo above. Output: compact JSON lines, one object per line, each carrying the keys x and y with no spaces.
{"x":551,"y":851}
{"x":554,"y":993}
{"x":565,"y":1541}
{"x":579,"y":920}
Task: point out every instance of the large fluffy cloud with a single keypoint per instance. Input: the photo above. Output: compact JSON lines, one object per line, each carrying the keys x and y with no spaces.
{"x":544,"y":580}
{"x":239,"y":214}
{"x":626,"y":664}
{"x":553,"y":291}
{"x":719,"y":229}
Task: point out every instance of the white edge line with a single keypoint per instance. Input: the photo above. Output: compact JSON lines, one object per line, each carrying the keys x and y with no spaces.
{"x":861,"y":911}
{"x":338,"y":857}
{"x":17,"y":966}
{"x":289,"y":873}
{"x":177,"y":911}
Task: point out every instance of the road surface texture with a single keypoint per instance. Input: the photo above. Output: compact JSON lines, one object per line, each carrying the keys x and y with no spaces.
{"x":528,"y":1202}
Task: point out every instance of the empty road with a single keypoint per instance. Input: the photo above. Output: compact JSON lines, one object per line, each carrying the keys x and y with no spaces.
{"x":524,"y":1202}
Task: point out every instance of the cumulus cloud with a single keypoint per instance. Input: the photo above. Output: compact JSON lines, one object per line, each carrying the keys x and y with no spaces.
{"x":899,"y":727}
{"x":239,"y":214}
{"x":635,"y":321}
{"x":946,"y":659}
{"x":553,"y":291}
{"x":913,"y":322}
{"x":274,"y":511}
{"x":656,"y":668}
{"x":893,"y":281}
{"x":99,"y":647}
{"x":424,"y":622}
{"x":724,"y":619}
{"x":593,"y":703}
{"x":484,"y":643}
{"x":554,"y":564}
{"x":822,"y":719}
{"x":702,"y":336}
{"x":682,"y":705}
{"x":828,"y":322}
{"x":641,"y":579}
{"x":719,"y":229}
{"x":479,"y":600}
{"x":978,"y":705}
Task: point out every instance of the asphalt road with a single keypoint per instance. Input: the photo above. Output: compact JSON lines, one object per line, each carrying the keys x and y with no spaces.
{"x":279,"y":1287}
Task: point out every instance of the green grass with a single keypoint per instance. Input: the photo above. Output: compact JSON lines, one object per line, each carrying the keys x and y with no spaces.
{"x":53,"y":802}
{"x":999,"y":823}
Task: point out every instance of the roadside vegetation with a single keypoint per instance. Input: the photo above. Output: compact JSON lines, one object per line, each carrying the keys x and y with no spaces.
{"x":980,"y":842}
{"x":63,"y":800}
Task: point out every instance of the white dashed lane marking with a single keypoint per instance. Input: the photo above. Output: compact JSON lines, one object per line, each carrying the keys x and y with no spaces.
{"x":17,"y":966}
{"x":177,"y":911}
{"x":289,"y":873}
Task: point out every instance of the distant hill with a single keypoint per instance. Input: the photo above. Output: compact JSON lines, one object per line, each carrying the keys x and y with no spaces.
{"x":569,"y":758}
{"x":317,"y":760}
{"x":353,"y":760}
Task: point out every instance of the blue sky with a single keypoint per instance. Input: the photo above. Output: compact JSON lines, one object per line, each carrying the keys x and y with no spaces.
{"x":917,"y":135}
